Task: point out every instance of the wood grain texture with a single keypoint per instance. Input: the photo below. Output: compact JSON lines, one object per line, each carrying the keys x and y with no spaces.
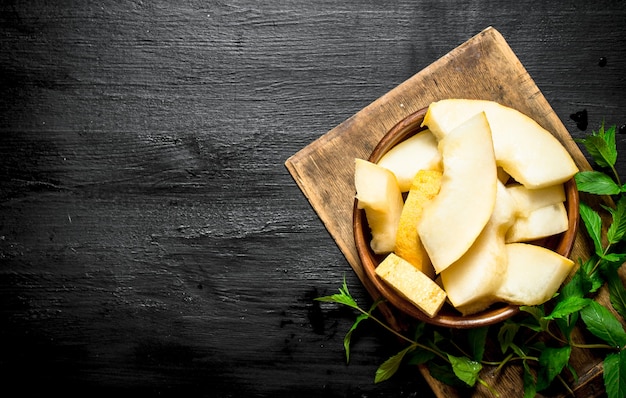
{"x":484,"y":67}
{"x":152,"y":241}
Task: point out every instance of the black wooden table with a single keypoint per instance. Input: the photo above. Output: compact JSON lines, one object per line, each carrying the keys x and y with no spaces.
{"x":152,"y":241}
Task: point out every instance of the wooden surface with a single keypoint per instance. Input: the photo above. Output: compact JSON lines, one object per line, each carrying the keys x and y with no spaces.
{"x":152,"y":241}
{"x":484,"y":67}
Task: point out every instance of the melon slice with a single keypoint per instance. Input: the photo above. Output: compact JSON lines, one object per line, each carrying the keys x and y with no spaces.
{"x":412,"y":284}
{"x":534,"y":274}
{"x":452,"y":221}
{"x":404,"y":160}
{"x":524,"y":149}
{"x":472,"y":281}
{"x":378,"y":194}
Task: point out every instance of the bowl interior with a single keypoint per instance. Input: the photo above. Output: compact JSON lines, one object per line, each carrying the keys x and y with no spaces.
{"x":447,"y":316}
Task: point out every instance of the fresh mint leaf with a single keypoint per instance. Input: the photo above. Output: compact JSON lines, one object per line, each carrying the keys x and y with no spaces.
{"x":603,"y":324}
{"x":567,"y":324}
{"x":551,"y":363}
{"x":597,"y":183}
{"x":339,"y":299}
{"x":530,"y":384}
{"x":348,"y":336}
{"x":391,"y":365}
{"x":593,"y":224}
{"x":419,"y":356}
{"x":615,"y":374}
{"x":579,"y":285}
{"x":617,"y":229}
{"x":613,"y":260}
{"x":568,"y":306}
{"x":506,"y":334}
{"x":591,"y":277}
{"x":438,"y":337}
{"x":420,"y":328}
{"x":465,"y":369}
{"x":343,"y":297}
{"x":477,"y":338}
{"x":601,"y":146}
{"x":538,"y":315}
{"x":617,"y":292}
{"x":444,"y":373}
{"x":518,"y":350}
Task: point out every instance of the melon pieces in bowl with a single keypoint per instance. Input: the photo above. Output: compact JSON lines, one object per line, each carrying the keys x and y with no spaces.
{"x":477,"y":198}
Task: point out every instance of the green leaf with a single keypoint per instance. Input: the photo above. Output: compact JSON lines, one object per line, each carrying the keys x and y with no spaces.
{"x":593,"y":224}
{"x":348,"y":336}
{"x":477,"y":338}
{"x":617,"y":292}
{"x":603,"y":324}
{"x":518,"y":350}
{"x":419,"y":330}
{"x":465,"y":369}
{"x":601,"y":146}
{"x":444,"y":373}
{"x":506,"y":334}
{"x":617,"y":229}
{"x":339,"y":299}
{"x":567,"y":324}
{"x":391,"y":365}
{"x":615,"y":375}
{"x":420,"y":356}
{"x":538,"y":315}
{"x":579,"y":285}
{"x":568,"y":306}
{"x":530,"y":384}
{"x":551,"y":363}
{"x":613,"y":259}
{"x":343,"y":297}
{"x":592,"y":280}
{"x":597,"y":183}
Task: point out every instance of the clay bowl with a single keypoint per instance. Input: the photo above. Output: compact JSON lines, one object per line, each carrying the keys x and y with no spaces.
{"x":447,"y":316}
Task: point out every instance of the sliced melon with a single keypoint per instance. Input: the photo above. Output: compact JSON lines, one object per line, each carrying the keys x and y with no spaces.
{"x":378,"y":194}
{"x":418,"y":152}
{"x":455,"y":217}
{"x":524,"y":149}
{"x":534,"y":274}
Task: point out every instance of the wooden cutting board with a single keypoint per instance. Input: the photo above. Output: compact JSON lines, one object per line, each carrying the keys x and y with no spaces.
{"x":484,"y":67}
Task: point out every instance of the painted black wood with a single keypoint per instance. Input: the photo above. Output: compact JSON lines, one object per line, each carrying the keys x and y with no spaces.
{"x":151,"y":239}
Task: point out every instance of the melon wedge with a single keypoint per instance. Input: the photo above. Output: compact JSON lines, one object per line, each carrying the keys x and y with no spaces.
{"x":472,"y":281}
{"x":378,"y":194}
{"x":524,"y":149}
{"x":532,"y":199}
{"x":404,"y":160}
{"x":424,"y":188}
{"x":539,"y":223}
{"x":534,"y":274}
{"x":452,"y":221}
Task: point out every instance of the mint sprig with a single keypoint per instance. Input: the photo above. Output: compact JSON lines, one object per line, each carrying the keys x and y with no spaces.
{"x":540,"y":337}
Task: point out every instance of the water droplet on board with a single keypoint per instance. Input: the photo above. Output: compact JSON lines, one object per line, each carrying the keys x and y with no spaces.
{"x":602,"y":62}
{"x":580,"y":118}
{"x":621,"y":129}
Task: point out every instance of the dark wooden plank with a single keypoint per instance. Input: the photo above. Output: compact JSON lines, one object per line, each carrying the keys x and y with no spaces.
{"x":151,"y":240}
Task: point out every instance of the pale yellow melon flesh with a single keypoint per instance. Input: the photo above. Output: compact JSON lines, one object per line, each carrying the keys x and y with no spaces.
{"x":378,"y":194}
{"x":472,"y":281}
{"x":540,"y":223}
{"x":524,"y":149}
{"x":534,"y":274}
{"x":404,"y":160}
{"x":412,"y":284}
{"x":424,"y":188}
{"x":452,"y":221}
{"x":528,"y":200}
